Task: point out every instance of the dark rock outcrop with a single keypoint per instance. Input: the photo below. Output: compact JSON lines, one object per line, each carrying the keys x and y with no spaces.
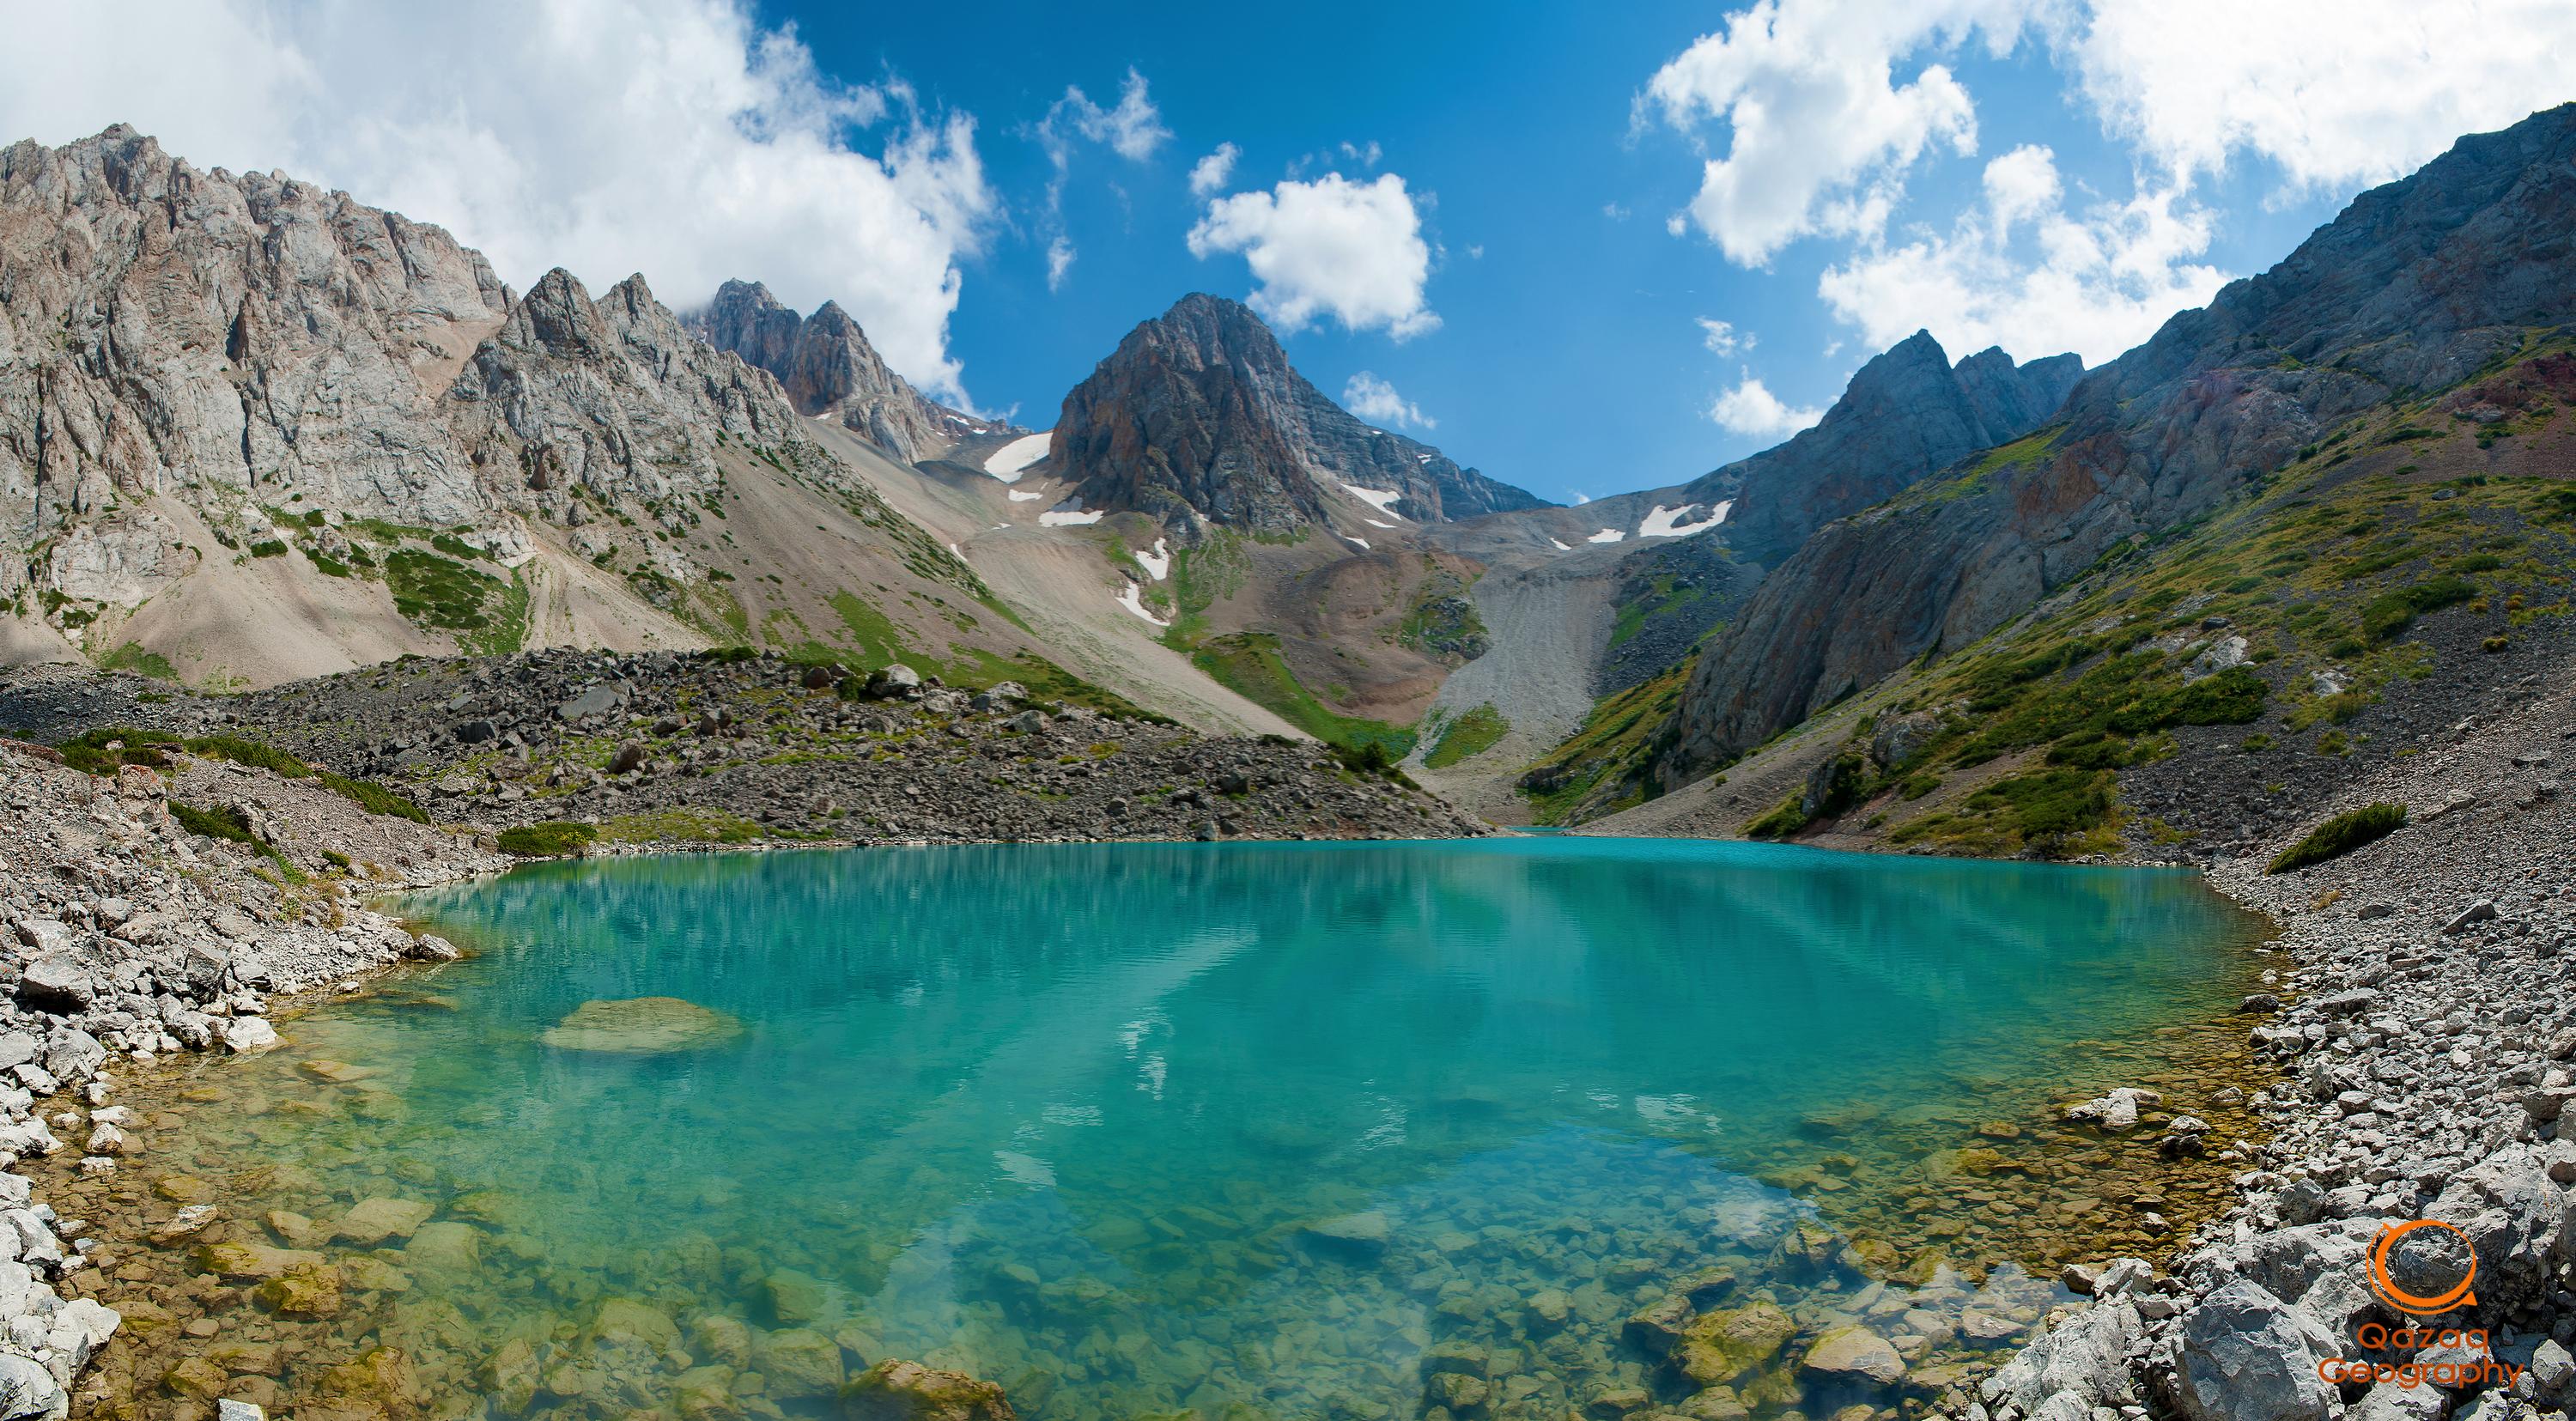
{"x":2416,"y":285}
{"x":1906,"y":413}
{"x":1198,"y":416}
{"x":827,"y":367}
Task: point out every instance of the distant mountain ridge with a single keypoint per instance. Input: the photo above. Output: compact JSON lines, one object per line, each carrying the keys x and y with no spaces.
{"x":1198,"y":415}
{"x":828,"y":368}
{"x":2417,"y":285}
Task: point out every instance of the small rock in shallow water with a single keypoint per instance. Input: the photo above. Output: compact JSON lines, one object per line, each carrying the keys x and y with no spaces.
{"x":909,"y":1391}
{"x":1351,"y":1233}
{"x":641,"y":1026}
{"x":1854,"y":1354}
{"x":372,"y":1221}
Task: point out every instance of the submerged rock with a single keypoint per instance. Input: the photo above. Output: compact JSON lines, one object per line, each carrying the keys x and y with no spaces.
{"x":909,"y":1391}
{"x":641,"y":1026}
{"x":1855,"y":1354}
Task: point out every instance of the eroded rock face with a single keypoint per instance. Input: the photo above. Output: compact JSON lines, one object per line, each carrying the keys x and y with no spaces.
{"x":168,"y":326}
{"x":2245,"y":1355}
{"x":236,"y":344}
{"x":828,"y":368}
{"x":1905,"y":414}
{"x":1198,"y":416}
{"x":2415,"y":286}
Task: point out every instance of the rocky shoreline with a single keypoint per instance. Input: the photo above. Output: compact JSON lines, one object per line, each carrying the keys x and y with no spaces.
{"x":2425,"y":1063}
{"x":677,"y":748}
{"x":132,"y":938}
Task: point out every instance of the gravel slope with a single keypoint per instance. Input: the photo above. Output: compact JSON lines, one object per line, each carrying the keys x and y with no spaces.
{"x":2425,"y":1064}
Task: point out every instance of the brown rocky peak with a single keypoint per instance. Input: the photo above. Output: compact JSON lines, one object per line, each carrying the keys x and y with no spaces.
{"x":1199,"y":416}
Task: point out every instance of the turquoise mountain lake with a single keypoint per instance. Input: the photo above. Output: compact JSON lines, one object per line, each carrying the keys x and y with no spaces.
{"x":1290,"y":1129}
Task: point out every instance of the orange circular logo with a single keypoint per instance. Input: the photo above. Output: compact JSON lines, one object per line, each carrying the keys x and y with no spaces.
{"x":2458,"y":1297}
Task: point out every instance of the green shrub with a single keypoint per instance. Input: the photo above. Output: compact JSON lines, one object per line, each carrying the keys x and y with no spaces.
{"x":372,"y":797}
{"x":268,"y":548}
{"x":556,"y":839}
{"x":2388,"y":614}
{"x":2341,"y":835}
{"x":1469,"y":735}
{"x":2050,"y":806}
{"x":1779,"y":822}
{"x":225,"y":823}
{"x":243,"y":751}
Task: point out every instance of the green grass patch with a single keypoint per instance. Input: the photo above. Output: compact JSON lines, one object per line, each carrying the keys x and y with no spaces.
{"x":2384,"y":617}
{"x":871,"y":633}
{"x":2341,"y":835}
{"x":555,"y":839}
{"x":1249,"y":664}
{"x":441,"y":593}
{"x":1470,"y":735}
{"x":1779,"y":821}
{"x":224,"y":823}
{"x":1612,"y":749}
{"x":132,"y":657}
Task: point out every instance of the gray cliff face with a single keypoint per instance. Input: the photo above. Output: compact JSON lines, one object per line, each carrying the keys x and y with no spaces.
{"x":2414,"y":286}
{"x":827,"y":366}
{"x":236,"y":341}
{"x":1906,"y":414}
{"x":1198,"y":415}
{"x":165,"y":327}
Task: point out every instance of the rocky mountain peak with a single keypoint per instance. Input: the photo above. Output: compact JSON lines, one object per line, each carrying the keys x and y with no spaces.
{"x":1199,"y":416}
{"x":1906,"y":413}
{"x":556,"y":318}
{"x":827,"y":367}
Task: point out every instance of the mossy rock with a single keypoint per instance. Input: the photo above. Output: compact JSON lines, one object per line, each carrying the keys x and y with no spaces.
{"x":641,"y":1026}
{"x":1726,"y":1344}
{"x":909,"y":1391}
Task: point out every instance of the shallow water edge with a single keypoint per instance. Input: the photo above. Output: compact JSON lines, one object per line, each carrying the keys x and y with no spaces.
{"x":1957,"y":1256}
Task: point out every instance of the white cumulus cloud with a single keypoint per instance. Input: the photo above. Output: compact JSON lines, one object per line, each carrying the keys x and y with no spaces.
{"x":1819,"y":126}
{"x":1210,"y":174}
{"x":1330,"y":247}
{"x":1751,"y":408}
{"x":1376,"y":401}
{"x":1812,"y":116}
{"x":2337,"y":93}
{"x":678,"y":138}
{"x":2096,"y":280}
{"x":1722,"y":337}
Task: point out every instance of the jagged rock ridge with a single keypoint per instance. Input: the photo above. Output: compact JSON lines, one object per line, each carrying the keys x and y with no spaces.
{"x":191,"y":359}
{"x":2416,"y":285}
{"x":1906,"y":413}
{"x":828,"y":368}
{"x":1199,"y":416}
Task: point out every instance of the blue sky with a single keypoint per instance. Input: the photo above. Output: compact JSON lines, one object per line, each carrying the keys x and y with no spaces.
{"x":1586,"y":248}
{"x":1570,"y":355}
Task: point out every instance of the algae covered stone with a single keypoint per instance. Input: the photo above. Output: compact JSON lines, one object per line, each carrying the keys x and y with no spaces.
{"x":641,"y":1026}
{"x":909,"y":1391}
{"x":1724,"y":1345}
{"x":801,"y":1362}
